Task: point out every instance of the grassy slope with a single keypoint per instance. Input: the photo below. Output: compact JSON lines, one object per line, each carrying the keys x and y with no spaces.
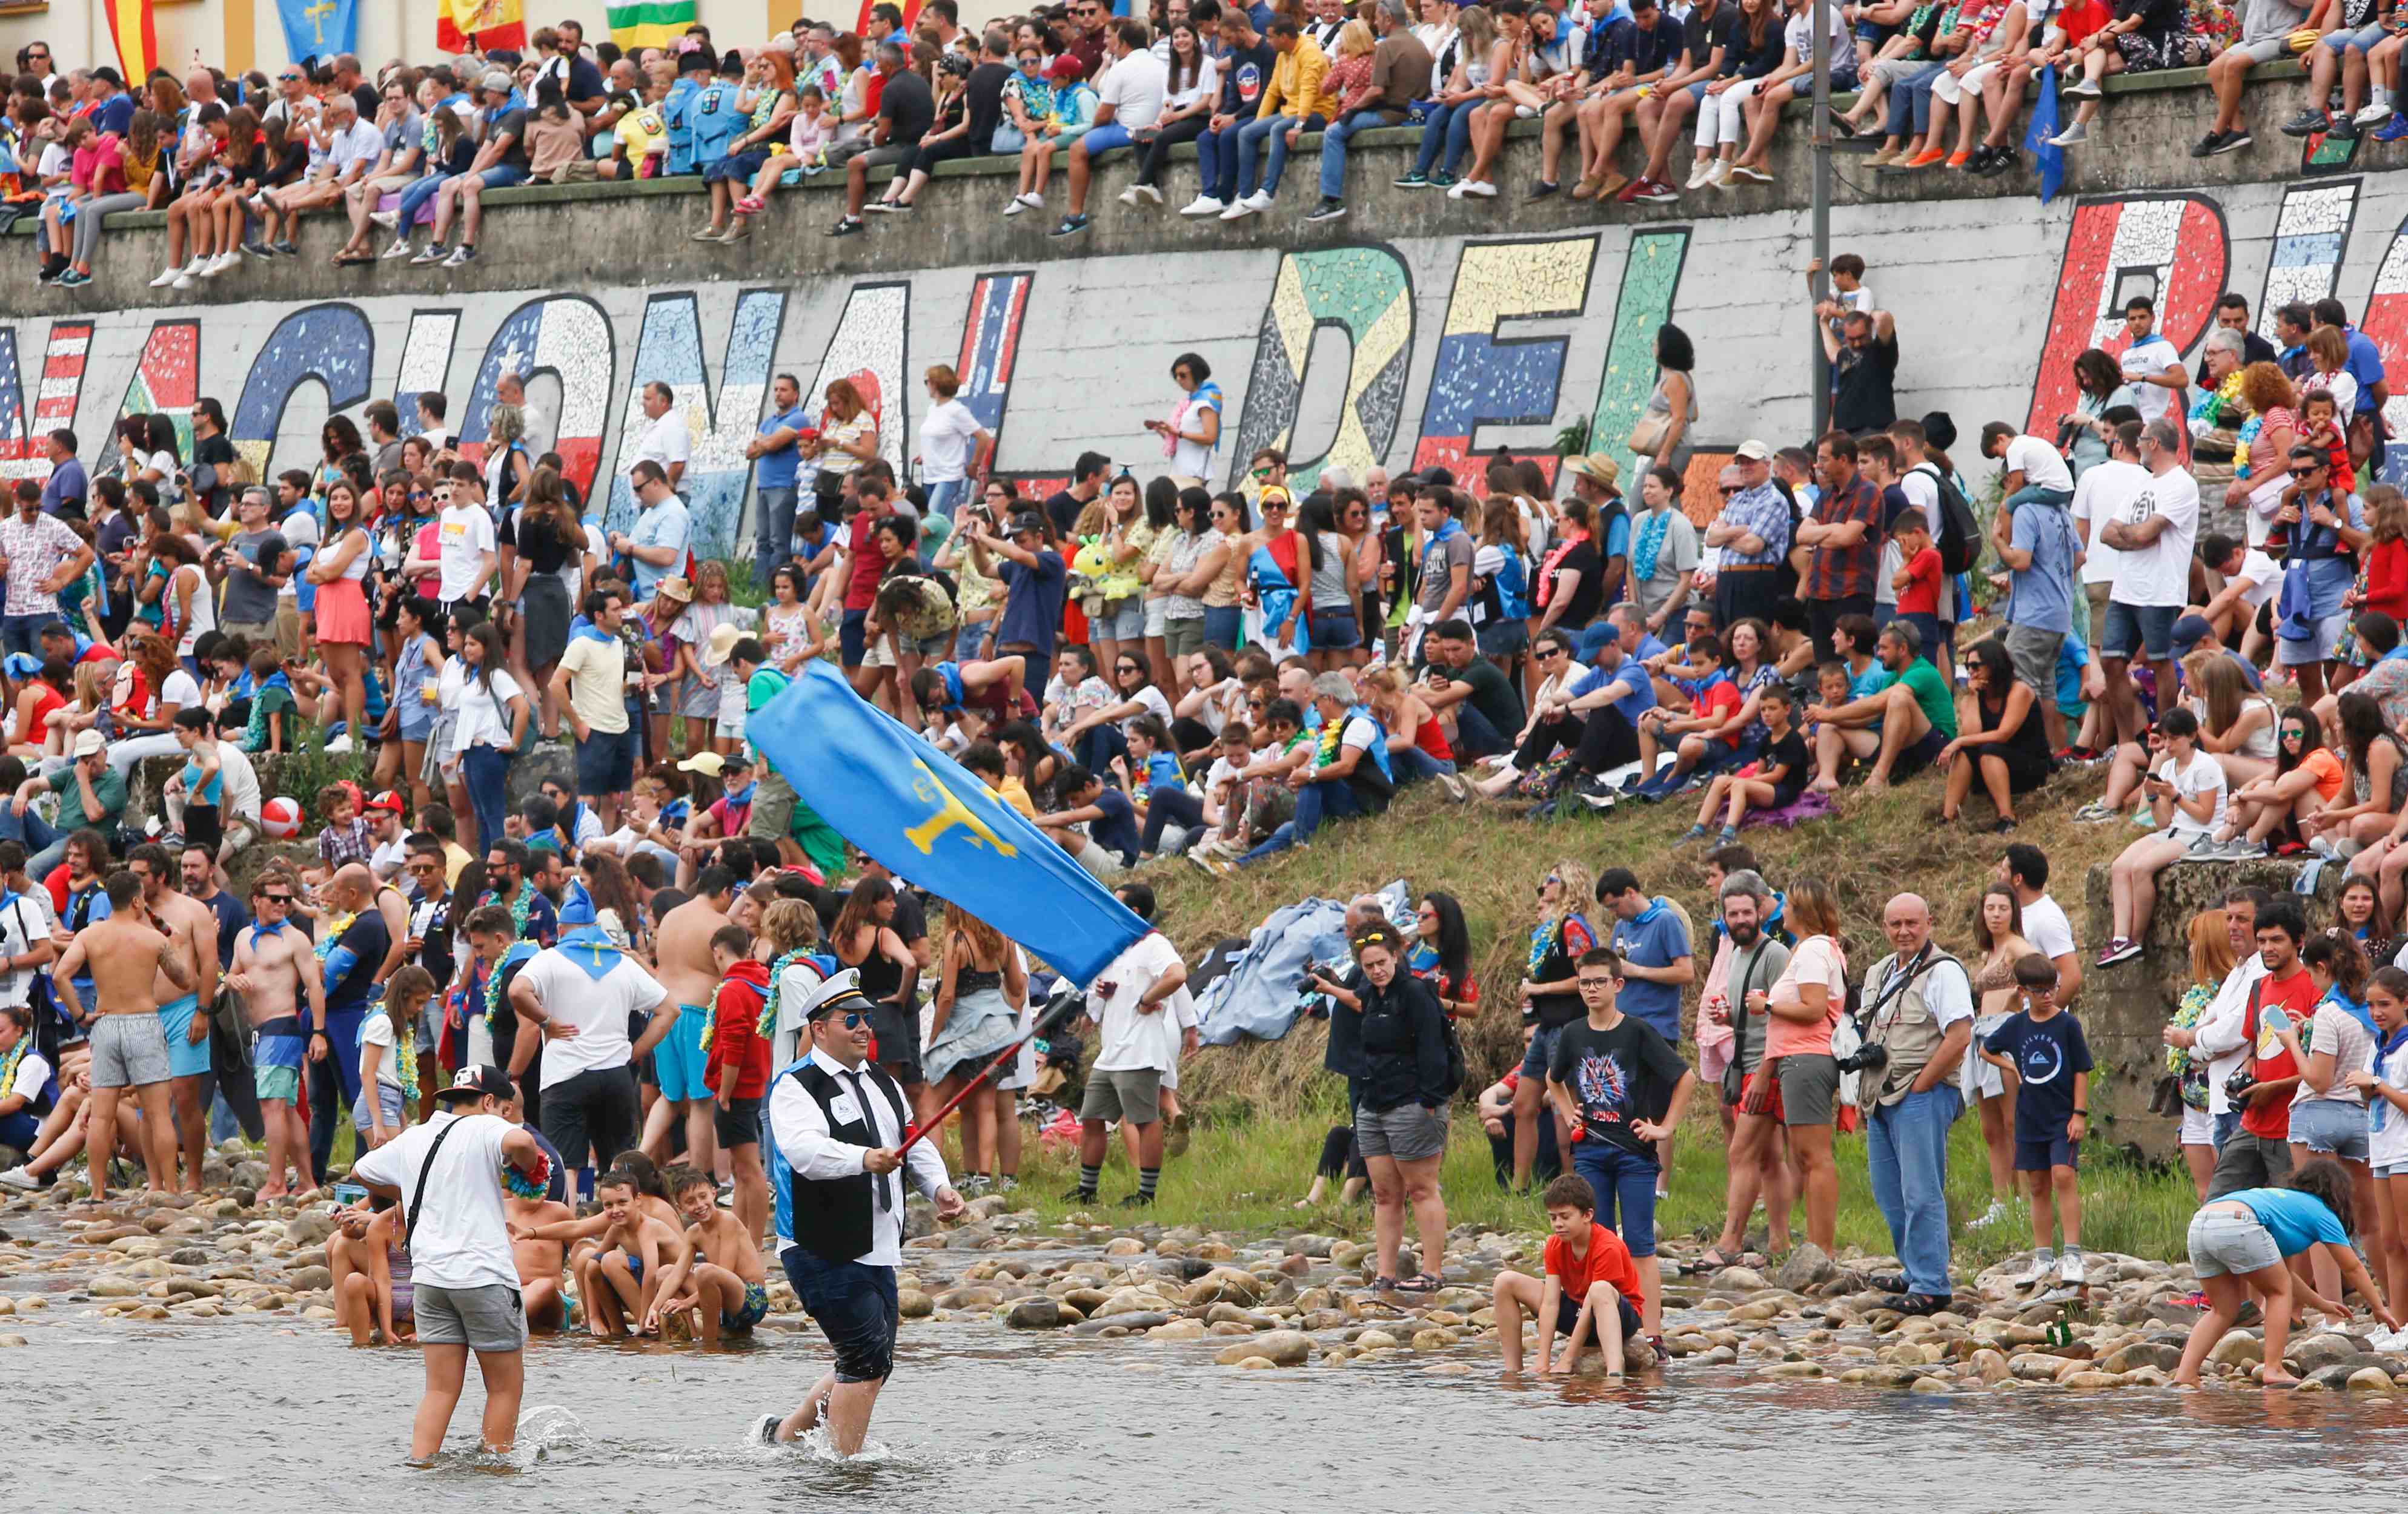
{"x":1263,"y":1107}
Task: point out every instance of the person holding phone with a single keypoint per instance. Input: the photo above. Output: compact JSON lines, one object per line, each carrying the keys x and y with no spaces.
{"x":2186,"y":788}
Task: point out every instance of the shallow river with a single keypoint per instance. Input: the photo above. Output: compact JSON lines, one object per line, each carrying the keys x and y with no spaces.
{"x":268,"y":1414}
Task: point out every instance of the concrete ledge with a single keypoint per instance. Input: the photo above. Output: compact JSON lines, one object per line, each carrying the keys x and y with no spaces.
{"x":578,"y":234}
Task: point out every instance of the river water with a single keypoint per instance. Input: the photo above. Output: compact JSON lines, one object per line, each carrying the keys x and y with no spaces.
{"x":268,"y":1414}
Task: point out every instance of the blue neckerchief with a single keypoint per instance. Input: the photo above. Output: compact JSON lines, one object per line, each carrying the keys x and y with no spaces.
{"x":954,"y":693}
{"x":593,"y":952}
{"x":1448,"y":530}
{"x":582,"y":629}
{"x":738,"y":799}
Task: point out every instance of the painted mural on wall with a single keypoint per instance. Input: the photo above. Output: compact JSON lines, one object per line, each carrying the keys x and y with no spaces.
{"x":1438,"y":351}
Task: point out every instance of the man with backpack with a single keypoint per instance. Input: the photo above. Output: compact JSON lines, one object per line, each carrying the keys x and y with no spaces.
{"x":2037,"y":544}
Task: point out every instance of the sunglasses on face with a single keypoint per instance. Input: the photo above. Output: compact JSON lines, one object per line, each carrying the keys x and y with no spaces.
{"x":276,"y":898}
{"x":1124,"y":667}
{"x":853,"y":1018}
{"x":2310,"y":471}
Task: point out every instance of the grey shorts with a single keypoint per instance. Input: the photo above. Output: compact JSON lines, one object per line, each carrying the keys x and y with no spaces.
{"x":1810,"y":1088}
{"x":1131,"y":1094}
{"x":128,"y":1051}
{"x":2265,"y":50}
{"x":2333,"y":1126}
{"x":1408,"y":1133}
{"x":2220,"y":1243}
{"x":490,"y":1317}
{"x":1184,"y":636}
{"x":2033,"y":652}
{"x":1123,"y":619}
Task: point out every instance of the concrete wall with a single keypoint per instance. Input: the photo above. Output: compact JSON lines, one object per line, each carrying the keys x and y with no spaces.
{"x":1415,"y":330}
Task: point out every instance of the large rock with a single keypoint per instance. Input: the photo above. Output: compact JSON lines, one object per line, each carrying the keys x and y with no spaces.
{"x":2317,"y":1353}
{"x":2142,"y":1353}
{"x":2237,"y":1351}
{"x":1034,"y":1314}
{"x":1288,"y":1348}
{"x":1808,"y":1266}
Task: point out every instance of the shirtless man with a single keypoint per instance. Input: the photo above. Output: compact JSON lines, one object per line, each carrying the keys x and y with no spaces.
{"x":690,"y":974}
{"x":538,"y":1260}
{"x":193,"y":927}
{"x":125,"y":956}
{"x":267,"y":973}
{"x":727,"y":1287}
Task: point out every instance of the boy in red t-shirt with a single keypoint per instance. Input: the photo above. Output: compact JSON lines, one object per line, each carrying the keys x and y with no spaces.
{"x":1589,"y":1272}
{"x":1917,"y":583}
{"x":1697,"y":736}
{"x":735,"y":1069}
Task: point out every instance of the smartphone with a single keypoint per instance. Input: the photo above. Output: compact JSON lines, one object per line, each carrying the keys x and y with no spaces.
{"x":349,"y":1192}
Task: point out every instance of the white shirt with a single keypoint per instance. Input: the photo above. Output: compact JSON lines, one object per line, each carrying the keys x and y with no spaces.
{"x":1132,"y":1040}
{"x":459,"y":1236}
{"x":240,"y":790}
{"x":2103,"y":494}
{"x":1947,"y":992}
{"x":376,"y":1030}
{"x":484,"y":714}
{"x":2223,"y":1033}
{"x":386,"y":861}
{"x":2158,"y":574}
{"x":2152,"y":354}
{"x":33,"y":1075}
{"x":598,"y":1010}
{"x":364,"y":143}
{"x":2041,"y":466}
{"x":665,"y":441}
{"x":799,"y":1127}
{"x":20,"y":926}
{"x":2388,"y":1142}
{"x":2046,"y":928}
{"x":463,"y":534}
{"x":1134,"y":88}
{"x":2204,"y":776}
{"x":2264,"y":573}
{"x":947,"y":435}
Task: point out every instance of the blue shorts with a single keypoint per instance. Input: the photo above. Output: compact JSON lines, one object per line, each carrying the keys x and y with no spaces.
{"x":1541,"y":1051}
{"x":502,"y":175}
{"x":678,"y":1057}
{"x":2132,"y":628}
{"x":852,"y":637}
{"x":1112,"y":135}
{"x":2039,"y":1156}
{"x":854,"y":1305}
{"x":1568,"y":1317}
{"x":1623,"y":1180}
{"x":2363,"y":39}
{"x":606,"y":763}
{"x":755,"y":1309}
{"x":389,"y":1100}
{"x":1334,"y":630}
{"x":185,"y":1059}
{"x":19,"y":1129}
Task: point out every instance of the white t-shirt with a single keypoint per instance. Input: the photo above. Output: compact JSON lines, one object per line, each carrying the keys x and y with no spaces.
{"x":459,"y":1236}
{"x":386,"y":861}
{"x":2046,"y":928}
{"x":300,"y":532}
{"x":665,"y":441}
{"x":462,"y":534}
{"x":1207,"y":79}
{"x":2041,"y":465}
{"x":2160,"y":574}
{"x":376,"y":1030}
{"x":1134,"y":88}
{"x":947,"y":433}
{"x":2263,"y":572}
{"x":1155,"y":706}
{"x":1132,"y":1040}
{"x":484,"y":714}
{"x":33,"y":1075}
{"x":181,"y":690}
{"x":599,"y":1009}
{"x":2387,"y":1142}
{"x":2204,"y":775}
{"x":240,"y":794}
{"x":2151,"y":354}
{"x":2102,"y":495}
{"x":20,"y":926}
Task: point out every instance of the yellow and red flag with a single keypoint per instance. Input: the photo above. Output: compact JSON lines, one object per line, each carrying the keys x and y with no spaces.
{"x":484,"y":24}
{"x":137,"y":40}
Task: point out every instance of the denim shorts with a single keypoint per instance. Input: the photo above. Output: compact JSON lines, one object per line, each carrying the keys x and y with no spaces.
{"x":2222,"y":1242}
{"x":2132,"y":628}
{"x":1541,"y":1051}
{"x":2363,"y":39}
{"x":855,"y":1306}
{"x":2333,"y":1126}
{"x":1123,"y":619}
{"x":1334,"y":628}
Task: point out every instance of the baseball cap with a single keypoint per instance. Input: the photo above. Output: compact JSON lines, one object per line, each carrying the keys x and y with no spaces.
{"x":1754,"y":451}
{"x":1028,"y":520}
{"x":474,"y":1082}
{"x":2191,"y":630}
{"x":496,"y":82}
{"x":387,"y":800}
{"x":708,"y":764}
{"x":91,"y":742}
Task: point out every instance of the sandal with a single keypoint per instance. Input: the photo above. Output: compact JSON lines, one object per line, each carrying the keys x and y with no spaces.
{"x":1712,"y":1259}
{"x":1427,"y":1282}
{"x":750,"y":206}
{"x":1383,"y":1285}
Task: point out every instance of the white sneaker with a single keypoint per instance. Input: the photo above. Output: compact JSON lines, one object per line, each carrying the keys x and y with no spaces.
{"x":2041,"y":1266}
{"x":2073,"y":136}
{"x":1203,"y":205}
{"x":166,"y":276}
{"x":765,"y":1430}
{"x":400,"y":248}
{"x":1454,"y":786}
{"x":341,"y":744}
{"x":1703,"y":174}
{"x":2068,"y":1270}
{"x":184,"y":281}
{"x":2373,"y":115}
{"x":1240,"y":209}
{"x":1478,"y":189}
{"x":222,"y":263}
{"x":1259,"y":201}
{"x":388,"y":220}
{"x":1128,"y":197}
{"x":1149,"y":192}
{"x":19,"y":1179}
{"x":1017,"y":207}
{"x":200,"y":261}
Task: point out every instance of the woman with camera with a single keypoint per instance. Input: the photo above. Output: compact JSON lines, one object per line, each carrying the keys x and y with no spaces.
{"x":1400,"y":1118}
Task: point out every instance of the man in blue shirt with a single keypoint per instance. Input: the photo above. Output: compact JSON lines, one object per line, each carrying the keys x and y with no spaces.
{"x":714,"y":118}
{"x":658,"y":547}
{"x":69,"y":486}
{"x":2365,"y":363}
{"x":1597,"y":714}
{"x":677,"y":109}
{"x":1656,"y":963}
{"x":115,"y":111}
{"x":777,"y":460}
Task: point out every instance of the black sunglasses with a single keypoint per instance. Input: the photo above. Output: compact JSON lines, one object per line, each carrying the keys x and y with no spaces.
{"x":1545,"y":652}
{"x":853,"y":1018}
{"x":276,"y":898}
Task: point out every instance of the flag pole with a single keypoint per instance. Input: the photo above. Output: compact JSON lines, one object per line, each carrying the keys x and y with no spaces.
{"x":1056,"y":1016}
{"x":1820,"y":139}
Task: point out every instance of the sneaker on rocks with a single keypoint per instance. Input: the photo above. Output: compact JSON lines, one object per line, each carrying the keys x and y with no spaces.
{"x":2068,"y":1271}
{"x":23,"y":1180}
{"x":2041,"y":1266}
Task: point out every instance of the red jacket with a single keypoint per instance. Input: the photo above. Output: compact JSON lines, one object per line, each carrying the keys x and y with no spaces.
{"x":735,"y":1039}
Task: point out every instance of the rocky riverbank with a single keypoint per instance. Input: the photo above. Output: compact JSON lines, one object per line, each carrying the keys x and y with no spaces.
{"x":1256,"y":1303}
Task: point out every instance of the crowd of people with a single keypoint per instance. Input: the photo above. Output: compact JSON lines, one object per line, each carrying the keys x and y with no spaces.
{"x":239,"y":161}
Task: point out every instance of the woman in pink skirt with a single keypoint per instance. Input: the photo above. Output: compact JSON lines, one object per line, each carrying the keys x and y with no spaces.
{"x":344,"y":632}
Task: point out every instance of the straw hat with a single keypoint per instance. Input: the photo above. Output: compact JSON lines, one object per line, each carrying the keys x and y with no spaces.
{"x":674,"y":587}
{"x":1597,"y":465}
{"x":723,"y":642}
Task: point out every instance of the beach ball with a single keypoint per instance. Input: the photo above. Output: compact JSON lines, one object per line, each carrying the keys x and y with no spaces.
{"x":280,"y":817}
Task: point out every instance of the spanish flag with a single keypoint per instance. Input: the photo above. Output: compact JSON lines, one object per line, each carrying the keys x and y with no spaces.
{"x":484,"y":24}
{"x":651,"y":23}
{"x":136,"y":38}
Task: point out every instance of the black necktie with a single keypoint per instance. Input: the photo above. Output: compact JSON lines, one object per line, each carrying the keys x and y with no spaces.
{"x":870,"y":1122}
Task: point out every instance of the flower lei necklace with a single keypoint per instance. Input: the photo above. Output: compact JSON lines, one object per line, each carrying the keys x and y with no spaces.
{"x":2226,"y":406}
{"x":770,"y":1005}
{"x":8,"y":1063}
{"x":404,"y":1057}
{"x":528,"y":1185}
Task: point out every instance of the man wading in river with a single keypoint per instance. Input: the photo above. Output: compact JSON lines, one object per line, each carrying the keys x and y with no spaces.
{"x":837,"y":1124}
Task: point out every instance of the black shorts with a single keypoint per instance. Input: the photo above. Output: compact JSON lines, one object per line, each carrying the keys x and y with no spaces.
{"x":740,"y":1125}
{"x":595,"y":1110}
{"x":854,"y":1305}
{"x":204,"y":826}
{"x":1567,"y":1319}
{"x":1922,"y":753}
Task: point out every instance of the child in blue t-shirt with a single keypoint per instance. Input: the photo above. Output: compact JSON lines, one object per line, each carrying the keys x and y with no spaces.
{"x":2043,"y":1045}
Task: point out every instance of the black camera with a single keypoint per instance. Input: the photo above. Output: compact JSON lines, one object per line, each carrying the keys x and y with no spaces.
{"x":1308,"y":981}
{"x":1870,"y":1057}
{"x":2237,"y":1087}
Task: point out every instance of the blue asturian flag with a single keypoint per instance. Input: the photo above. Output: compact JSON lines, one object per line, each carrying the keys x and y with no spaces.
{"x":928,"y":820}
{"x":319,"y":29}
{"x":2050,"y":157}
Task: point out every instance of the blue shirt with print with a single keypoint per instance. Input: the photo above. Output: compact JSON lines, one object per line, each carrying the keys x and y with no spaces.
{"x":716,"y":121}
{"x":677,"y":114}
{"x":1642,"y":697}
